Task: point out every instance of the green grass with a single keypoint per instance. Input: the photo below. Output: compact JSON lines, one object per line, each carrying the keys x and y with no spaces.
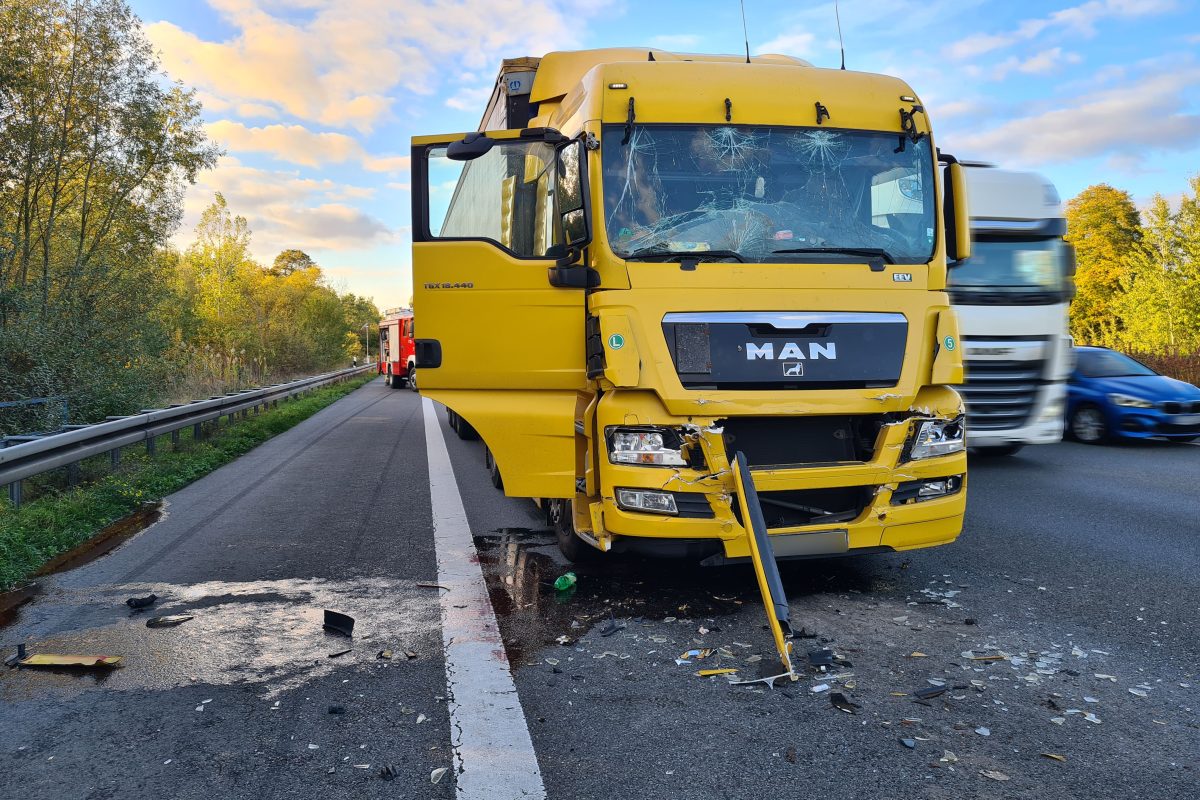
{"x":61,"y":519}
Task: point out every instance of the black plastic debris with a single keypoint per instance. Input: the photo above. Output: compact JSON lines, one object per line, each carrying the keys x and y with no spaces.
{"x":969,"y":621}
{"x":141,"y":602}
{"x":337,"y":709}
{"x":821,"y":658}
{"x":339,"y":653}
{"x":803,"y":634}
{"x":339,"y":623}
{"x":843,"y":703}
{"x":790,"y":754}
{"x":930,"y":692}
{"x":169,"y":621}
{"x":388,"y":772}
{"x":16,"y":657}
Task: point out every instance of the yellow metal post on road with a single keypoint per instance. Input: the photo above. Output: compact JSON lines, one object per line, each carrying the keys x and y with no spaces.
{"x":766,"y":569}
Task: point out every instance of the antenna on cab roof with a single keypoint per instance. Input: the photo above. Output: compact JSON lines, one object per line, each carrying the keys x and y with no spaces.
{"x":742,"y":3}
{"x":841,"y":45}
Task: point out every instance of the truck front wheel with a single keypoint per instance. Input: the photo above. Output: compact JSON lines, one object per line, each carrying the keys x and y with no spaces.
{"x":411,"y":378}
{"x":563,"y":520}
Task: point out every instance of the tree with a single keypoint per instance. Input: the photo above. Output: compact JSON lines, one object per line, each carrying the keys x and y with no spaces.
{"x":1103,"y":225}
{"x":289,"y":261}
{"x":96,"y":151}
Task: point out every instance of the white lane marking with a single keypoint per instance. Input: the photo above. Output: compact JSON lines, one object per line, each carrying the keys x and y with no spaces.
{"x":493,"y":752}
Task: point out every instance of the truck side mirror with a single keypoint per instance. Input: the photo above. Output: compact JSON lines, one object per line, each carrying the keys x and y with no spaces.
{"x":470,"y":147}
{"x":571,"y":192}
{"x":955,"y":214}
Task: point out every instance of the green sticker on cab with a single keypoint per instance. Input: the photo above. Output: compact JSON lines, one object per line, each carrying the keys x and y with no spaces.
{"x":616,"y":341}
{"x":949,"y":342}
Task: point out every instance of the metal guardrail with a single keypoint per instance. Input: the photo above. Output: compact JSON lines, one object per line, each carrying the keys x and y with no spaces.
{"x":35,"y":454}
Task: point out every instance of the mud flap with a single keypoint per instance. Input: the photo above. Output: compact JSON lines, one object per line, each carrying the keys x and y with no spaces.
{"x":766,"y":569}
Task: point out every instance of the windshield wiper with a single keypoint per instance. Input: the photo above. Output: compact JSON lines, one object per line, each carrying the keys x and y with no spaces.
{"x":876,"y":252}
{"x":661,"y":253}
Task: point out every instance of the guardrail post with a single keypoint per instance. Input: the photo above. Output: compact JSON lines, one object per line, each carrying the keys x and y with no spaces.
{"x":114,"y":457}
{"x":151,"y":445}
{"x":197,"y":433}
{"x":174,"y":440}
{"x":14,"y":494}
{"x":73,"y":474}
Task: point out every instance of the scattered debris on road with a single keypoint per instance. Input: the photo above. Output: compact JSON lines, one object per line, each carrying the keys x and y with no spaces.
{"x":427,"y":585}
{"x":708,"y":673}
{"x":566,"y":581}
{"x":340,"y":653}
{"x":436,"y":775}
{"x":339,"y":623}
{"x":169,"y":621}
{"x":387,"y":772}
{"x":843,"y":703}
{"x":994,"y":774}
{"x":52,"y":660}
{"x":141,"y":602}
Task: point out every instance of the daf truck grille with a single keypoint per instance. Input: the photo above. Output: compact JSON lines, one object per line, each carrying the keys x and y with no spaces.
{"x":1000,"y":395}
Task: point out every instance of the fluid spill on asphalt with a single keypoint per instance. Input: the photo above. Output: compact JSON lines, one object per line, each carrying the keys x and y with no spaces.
{"x":521,"y":564}
{"x":268,"y":633}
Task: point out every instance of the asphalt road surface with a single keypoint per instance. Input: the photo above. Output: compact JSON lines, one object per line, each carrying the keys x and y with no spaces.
{"x":1079,"y":564}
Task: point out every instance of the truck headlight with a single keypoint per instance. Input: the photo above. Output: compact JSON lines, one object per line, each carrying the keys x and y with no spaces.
{"x":1129,"y":401}
{"x":650,"y":502}
{"x":937,"y":437}
{"x":655,"y":447}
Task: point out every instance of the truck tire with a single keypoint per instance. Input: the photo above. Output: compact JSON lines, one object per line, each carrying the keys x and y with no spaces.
{"x":451,"y":420}
{"x":492,"y":468}
{"x":411,"y":377}
{"x":572,"y":547}
{"x":395,"y":380}
{"x":464,"y":430}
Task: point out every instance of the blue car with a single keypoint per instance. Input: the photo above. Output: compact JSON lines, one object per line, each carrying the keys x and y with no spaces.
{"x":1111,"y":396}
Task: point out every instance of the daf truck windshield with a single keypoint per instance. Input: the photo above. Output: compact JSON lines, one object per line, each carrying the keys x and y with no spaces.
{"x":767,"y":194}
{"x":1013,"y":266}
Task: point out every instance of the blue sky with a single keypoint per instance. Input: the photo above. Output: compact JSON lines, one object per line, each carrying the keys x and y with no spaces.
{"x":314,"y":101}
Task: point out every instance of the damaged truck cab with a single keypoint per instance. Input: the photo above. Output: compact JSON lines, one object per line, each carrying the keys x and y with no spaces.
{"x":644,"y":264}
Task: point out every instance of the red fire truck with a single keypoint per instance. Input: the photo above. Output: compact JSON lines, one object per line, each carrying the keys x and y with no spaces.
{"x":397,"y":358}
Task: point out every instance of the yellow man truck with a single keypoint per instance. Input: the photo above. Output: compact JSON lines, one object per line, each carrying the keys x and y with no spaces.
{"x":650,"y":277}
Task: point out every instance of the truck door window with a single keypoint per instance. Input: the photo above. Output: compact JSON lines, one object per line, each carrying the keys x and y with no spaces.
{"x":506,"y":196}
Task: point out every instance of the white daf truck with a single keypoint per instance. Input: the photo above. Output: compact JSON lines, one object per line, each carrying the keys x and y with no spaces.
{"x":1011,"y":297}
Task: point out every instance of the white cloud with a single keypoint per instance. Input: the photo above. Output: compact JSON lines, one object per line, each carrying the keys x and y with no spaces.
{"x":1151,"y":114}
{"x":285,"y":210}
{"x":1042,"y":63}
{"x":789,"y":44}
{"x":470,"y":98}
{"x":299,"y":145}
{"x":336,"y":62}
{"x":1079,"y":19}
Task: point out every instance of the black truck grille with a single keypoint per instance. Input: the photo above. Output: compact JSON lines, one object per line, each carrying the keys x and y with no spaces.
{"x":780,"y":441}
{"x":1001,"y":394}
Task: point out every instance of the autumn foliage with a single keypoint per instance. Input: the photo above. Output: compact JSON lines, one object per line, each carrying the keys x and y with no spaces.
{"x":96,"y":306}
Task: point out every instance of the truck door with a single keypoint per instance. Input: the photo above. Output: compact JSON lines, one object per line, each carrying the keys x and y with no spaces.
{"x":498,"y":221}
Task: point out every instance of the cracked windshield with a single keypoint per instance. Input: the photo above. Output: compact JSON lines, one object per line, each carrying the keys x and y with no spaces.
{"x":767,"y":193}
